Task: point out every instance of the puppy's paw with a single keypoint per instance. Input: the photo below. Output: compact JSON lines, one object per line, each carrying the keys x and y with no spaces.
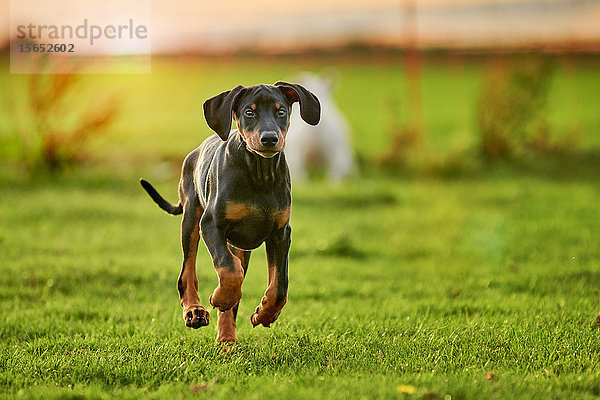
{"x":196,"y":316}
{"x":265,"y":316}
{"x":229,"y":291}
{"x":225,"y":298}
{"x":227,"y":338}
{"x":262,"y":319}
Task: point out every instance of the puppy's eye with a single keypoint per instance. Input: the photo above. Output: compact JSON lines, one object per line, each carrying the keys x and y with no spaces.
{"x":281,"y":112}
{"x":249,"y":113}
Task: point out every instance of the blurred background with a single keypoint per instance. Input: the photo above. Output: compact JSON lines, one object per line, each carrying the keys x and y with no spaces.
{"x":428,"y":86}
{"x":460,"y":237}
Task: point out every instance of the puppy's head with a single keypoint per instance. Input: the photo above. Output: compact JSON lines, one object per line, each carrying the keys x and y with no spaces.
{"x":261,"y":113}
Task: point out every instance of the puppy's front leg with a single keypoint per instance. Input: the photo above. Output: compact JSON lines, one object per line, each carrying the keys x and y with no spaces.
{"x":228,"y":267}
{"x":226,"y":322}
{"x":278,"y":247}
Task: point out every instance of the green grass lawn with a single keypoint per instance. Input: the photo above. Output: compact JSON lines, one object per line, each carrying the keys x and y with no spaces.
{"x":435,"y":285}
{"x":481,"y":286}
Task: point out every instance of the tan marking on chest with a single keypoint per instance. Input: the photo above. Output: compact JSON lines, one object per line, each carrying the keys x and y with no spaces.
{"x":237,"y":211}
{"x":282,"y":217}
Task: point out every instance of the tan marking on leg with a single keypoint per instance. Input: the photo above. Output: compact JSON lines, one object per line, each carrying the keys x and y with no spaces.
{"x":282,"y":217}
{"x":194,"y":314}
{"x":229,"y":291}
{"x":226,"y":327}
{"x":237,"y":211}
{"x":190,"y":285}
{"x":239,"y":253}
{"x":189,"y":277}
{"x":269,"y":309}
{"x":190,"y":281}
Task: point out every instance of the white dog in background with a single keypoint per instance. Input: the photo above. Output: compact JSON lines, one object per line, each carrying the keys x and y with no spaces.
{"x":329,"y":141}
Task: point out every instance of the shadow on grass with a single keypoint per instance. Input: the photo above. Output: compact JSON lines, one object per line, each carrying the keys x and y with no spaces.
{"x":582,"y":166}
{"x":339,"y":247}
{"x":342,"y":198}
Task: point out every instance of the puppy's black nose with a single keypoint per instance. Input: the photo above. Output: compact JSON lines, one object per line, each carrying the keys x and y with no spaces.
{"x":269,"y":138}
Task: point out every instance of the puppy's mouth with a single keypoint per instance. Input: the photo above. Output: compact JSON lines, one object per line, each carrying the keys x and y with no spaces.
{"x":265,"y":153}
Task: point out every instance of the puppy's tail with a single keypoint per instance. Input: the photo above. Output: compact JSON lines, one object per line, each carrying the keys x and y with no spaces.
{"x":158,"y":199}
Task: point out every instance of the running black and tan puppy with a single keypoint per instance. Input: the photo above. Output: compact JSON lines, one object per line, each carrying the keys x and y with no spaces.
{"x":235,"y":192}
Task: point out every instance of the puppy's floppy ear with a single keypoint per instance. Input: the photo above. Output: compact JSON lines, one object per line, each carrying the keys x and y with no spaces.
{"x":217,"y":111}
{"x":310,"y":108}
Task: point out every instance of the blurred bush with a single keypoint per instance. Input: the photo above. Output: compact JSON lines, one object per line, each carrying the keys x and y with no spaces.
{"x":511,"y":111}
{"x":51,"y":124}
{"x":406,"y":138}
